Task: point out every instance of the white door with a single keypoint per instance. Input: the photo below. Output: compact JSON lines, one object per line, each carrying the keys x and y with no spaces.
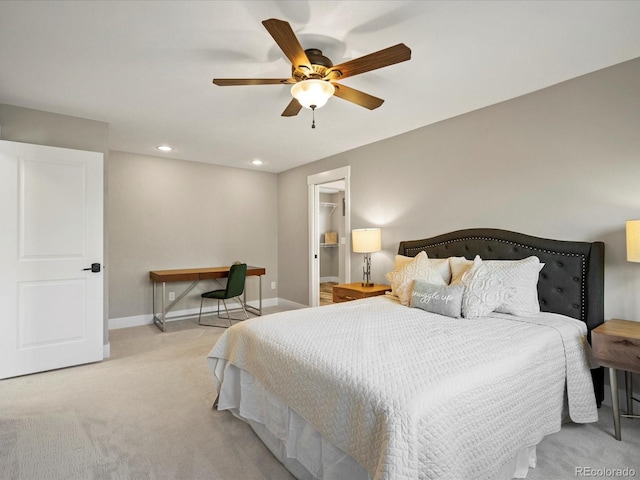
{"x":51,"y":213}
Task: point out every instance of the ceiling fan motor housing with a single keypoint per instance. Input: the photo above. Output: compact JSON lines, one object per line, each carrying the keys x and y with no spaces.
{"x":316,"y":57}
{"x":319,"y":66}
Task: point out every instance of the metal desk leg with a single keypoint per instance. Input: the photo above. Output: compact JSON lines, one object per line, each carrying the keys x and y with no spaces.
{"x":153,"y":301}
{"x":613,"y":382}
{"x":164,"y":308}
{"x":158,"y":321}
{"x":251,"y":308}
{"x":161,"y":320}
{"x":260,"y":304}
{"x":628,"y":382}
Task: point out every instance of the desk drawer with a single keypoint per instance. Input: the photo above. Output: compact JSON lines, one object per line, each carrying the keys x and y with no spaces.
{"x":616,"y":352}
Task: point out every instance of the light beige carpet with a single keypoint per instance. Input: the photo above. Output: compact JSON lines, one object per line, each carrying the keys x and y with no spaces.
{"x":146,"y":414}
{"x":143,"y":414}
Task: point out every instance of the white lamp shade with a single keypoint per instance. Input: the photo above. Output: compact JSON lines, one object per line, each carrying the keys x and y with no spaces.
{"x":312,"y":92}
{"x":366,"y":240}
{"x":633,"y":240}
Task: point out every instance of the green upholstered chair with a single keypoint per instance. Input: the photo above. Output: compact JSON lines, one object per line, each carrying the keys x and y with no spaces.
{"x":234,"y":289}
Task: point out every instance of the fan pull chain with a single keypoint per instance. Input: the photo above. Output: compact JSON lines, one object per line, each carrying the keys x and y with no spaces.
{"x":313,"y":112}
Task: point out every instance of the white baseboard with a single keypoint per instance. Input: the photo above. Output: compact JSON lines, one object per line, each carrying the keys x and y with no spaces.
{"x":126,"y":322}
{"x":329,"y":279}
{"x":106,"y":351}
{"x":147,"y":319}
{"x":291,"y":305}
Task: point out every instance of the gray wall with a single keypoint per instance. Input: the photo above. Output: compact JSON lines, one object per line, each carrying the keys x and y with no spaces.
{"x":25,"y":125}
{"x":166,"y":214}
{"x":562,"y":162}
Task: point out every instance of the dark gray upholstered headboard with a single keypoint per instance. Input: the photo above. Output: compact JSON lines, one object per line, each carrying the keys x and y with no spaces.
{"x":571,"y":282}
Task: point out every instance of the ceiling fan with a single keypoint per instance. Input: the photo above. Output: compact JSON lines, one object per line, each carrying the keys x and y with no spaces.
{"x":314,"y":77}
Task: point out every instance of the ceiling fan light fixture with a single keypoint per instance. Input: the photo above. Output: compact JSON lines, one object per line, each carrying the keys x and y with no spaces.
{"x":312,"y":93}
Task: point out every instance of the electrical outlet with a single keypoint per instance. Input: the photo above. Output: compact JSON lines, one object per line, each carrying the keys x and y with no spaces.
{"x":273,"y":285}
{"x":172,"y":296}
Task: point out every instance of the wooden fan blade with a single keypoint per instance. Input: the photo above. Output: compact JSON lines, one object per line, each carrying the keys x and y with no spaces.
{"x":292,"y":109}
{"x":226,"y":82}
{"x":286,"y":39}
{"x":356,"y":96}
{"x":383,"y":58}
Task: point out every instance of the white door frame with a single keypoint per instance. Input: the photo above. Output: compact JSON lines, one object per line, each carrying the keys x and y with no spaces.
{"x":314,"y":182}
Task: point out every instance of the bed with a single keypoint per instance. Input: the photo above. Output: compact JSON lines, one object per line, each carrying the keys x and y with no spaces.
{"x":374,"y":389}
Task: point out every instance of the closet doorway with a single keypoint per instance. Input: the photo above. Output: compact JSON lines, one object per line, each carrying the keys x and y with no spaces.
{"x":329,"y":239}
{"x":332,"y":238}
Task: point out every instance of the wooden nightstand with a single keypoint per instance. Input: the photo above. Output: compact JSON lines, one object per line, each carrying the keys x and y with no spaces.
{"x":346,"y":292}
{"x":616,"y":344}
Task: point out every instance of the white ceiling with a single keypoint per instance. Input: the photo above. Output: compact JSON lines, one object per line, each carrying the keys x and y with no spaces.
{"x":145,"y":67}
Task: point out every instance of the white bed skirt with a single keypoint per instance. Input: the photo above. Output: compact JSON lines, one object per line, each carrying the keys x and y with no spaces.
{"x":295,"y":443}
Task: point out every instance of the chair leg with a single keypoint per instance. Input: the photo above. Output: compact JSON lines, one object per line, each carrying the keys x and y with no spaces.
{"x":200,"y":316}
{"x":226,"y":310}
{"x":243,"y":308}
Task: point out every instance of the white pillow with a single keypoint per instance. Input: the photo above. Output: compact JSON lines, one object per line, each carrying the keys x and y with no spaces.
{"x":458,"y":266}
{"x":420,"y":268}
{"x":400,"y":261}
{"x":441,"y":264}
{"x":522,"y":276}
{"x":483,"y":291}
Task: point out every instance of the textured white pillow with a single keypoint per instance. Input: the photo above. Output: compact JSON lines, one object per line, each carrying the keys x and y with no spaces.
{"x":458,"y":266}
{"x":522,"y":276}
{"x":441,"y":264}
{"x":483,"y":292}
{"x":420,"y":268}
{"x":400,"y":261}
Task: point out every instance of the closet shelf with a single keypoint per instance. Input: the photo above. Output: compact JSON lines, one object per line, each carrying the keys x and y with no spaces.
{"x":328,"y":208}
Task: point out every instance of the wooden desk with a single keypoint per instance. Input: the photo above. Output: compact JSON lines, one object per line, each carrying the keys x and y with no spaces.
{"x":194,"y":275}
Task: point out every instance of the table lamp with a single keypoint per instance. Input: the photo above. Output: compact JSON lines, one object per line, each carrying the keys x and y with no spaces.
{"x":633,"y":240}
{"x":366,"y":240}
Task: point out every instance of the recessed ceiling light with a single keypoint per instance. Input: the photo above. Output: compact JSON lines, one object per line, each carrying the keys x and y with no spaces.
{"x":257,"y":162}
{"x":164,"y":148}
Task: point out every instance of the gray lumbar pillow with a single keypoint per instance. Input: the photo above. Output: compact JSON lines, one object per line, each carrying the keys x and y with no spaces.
{"x":444,"y":300}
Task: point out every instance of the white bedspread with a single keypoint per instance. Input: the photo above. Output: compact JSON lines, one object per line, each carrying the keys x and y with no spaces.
{"x":413,"y":395}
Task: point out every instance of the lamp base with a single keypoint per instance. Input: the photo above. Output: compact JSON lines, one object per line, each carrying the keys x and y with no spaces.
{"x":366,"y":271}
